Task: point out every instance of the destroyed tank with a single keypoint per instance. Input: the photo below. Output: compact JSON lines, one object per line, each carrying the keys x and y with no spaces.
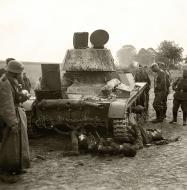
{"x":92,"y":95}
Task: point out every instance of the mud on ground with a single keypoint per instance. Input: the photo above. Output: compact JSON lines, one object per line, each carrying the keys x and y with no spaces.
{"x":155,"y":167}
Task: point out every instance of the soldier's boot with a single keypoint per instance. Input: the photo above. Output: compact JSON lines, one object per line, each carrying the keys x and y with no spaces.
{"x":174,"y":120}
{"x":184,"y":118}
{"x":158,"y":117}
{"x":139,"y":139}
{"x":164,"y":113}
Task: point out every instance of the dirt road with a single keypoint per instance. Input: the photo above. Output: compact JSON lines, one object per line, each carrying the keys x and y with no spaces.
{"x":156,"y":167}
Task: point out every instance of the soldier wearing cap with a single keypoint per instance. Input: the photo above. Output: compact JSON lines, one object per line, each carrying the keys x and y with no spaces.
{"x":160,"y":90}
{"x":168,"y":79}
{"x":180,"y":96}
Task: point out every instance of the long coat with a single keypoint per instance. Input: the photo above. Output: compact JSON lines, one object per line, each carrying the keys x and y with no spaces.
{"x":14,"y":153}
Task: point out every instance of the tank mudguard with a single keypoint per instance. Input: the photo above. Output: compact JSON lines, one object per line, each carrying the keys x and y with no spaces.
{"x":118,"y":109}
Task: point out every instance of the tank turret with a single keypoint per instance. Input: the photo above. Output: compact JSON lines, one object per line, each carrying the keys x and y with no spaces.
{"x":89,"y":59}
{"x":82,"y":58}
{"x":88,"y":69}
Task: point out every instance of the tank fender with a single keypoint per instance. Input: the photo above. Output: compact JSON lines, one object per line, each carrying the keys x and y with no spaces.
{"x":117,"y":109}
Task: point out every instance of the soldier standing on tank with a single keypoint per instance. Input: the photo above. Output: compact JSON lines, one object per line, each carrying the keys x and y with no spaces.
{"x":180,"y":97}
{"x":160,"y":91}
{"x":14,"y":157}
{"x":168,"y":79}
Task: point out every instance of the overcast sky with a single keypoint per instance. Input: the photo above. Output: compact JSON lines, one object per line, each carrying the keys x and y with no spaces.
{"x":42,"y":30}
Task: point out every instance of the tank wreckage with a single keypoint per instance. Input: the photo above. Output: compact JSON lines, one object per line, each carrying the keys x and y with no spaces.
{"x":94,"y":101}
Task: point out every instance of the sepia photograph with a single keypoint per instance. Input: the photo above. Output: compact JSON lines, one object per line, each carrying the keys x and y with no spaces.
{"x":93,"y":95}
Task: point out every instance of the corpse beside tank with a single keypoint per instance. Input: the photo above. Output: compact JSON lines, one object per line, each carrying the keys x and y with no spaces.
{"x":83,"y":100}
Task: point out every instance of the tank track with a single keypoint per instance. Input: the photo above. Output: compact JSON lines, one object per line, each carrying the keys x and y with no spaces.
{"x":119,"y":128}
{"x":29,"y":120}
{"x":30,"y":129}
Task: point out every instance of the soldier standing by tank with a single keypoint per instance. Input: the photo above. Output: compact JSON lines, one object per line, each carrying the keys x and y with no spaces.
{"x":160,"y":91}
{"x":168,"y":79}
{"x":20,"y":79}
{"x":2,"y":72}
{"x":180,"y":97}
{"x":14,"y":157}
{"x":141,"y":75}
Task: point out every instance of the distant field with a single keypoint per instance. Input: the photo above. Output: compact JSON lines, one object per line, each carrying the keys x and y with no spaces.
{"x":33,"y":72}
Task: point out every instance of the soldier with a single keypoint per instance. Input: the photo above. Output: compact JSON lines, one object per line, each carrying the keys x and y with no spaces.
{"x":160,"y":91}
{"x":14,"y":157}
{"x":20,"y":79}
{"x":168,"y":79}
{"x":141,"y":75}
{"x":180,"y":96}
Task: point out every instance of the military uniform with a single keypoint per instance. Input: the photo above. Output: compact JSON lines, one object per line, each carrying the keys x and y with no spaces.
{"x":160,"y":91}
{"x":180,"y":98}
{"x":167,"y":74}
{"x":14,"y":155}
{"x":140,"y":75}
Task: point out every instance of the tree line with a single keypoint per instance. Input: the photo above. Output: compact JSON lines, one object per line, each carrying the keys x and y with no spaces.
{"x":168,"y":52}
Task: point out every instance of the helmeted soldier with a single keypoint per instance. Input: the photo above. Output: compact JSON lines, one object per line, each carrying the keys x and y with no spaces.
{"x":180,"y":96}
{"x":14,"y":71}
{"x":168,"y":79}
{"x":14,"y":156}
{"x":20,"y":79}
{"x":160,"y":91}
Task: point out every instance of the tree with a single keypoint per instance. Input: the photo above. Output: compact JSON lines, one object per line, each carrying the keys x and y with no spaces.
{"x":126,"y":55}
{"x":185,"y":59}
{"x":146,"y":57}
{"x":170,"y":52}
{"x":152,"y":51}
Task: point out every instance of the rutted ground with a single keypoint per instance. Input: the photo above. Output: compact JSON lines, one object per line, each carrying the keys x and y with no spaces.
{"x":156,"y":167}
